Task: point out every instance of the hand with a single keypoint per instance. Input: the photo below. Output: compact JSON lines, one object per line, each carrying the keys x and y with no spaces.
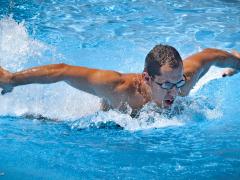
{"x":229,"y":72}
{"x":5,"y":81}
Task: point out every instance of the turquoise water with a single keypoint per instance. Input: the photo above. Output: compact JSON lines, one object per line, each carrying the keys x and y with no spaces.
{"x":57,"y":132}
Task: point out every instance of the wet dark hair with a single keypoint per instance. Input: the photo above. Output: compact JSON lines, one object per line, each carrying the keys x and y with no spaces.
{"x":159,"y":56}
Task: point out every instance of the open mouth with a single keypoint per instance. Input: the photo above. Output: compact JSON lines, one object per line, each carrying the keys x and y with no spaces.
{"x":169,"y":102}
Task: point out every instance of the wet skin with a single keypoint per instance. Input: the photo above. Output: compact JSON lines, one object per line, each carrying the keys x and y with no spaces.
{"x":119,"y":89}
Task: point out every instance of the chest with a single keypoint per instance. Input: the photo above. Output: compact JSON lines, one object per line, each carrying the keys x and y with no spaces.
{"x":124,"y":103}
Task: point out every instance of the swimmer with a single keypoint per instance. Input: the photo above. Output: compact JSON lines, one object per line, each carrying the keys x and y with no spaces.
{"x":165,"y":76}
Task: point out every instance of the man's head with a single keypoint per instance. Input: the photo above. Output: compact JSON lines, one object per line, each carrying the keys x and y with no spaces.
{"x":163,"y":69}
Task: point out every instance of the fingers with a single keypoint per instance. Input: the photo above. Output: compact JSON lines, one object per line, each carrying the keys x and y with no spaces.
{"x":229,"y":72}
{"x":5,"y":91}
{"x":224,"y":75}
{"x":5,"y":77}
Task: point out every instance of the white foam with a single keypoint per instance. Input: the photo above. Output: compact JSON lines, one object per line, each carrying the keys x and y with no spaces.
{"x":16,"y":46}
{"x":192,"y":110}
{"x":56,"y":101}
{"x":144,"y":122}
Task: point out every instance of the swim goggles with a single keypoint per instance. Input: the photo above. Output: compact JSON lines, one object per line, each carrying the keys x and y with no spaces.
{"x":168,"y":85}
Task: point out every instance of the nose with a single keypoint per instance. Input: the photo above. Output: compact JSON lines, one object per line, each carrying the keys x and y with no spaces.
{"x":173,"y":92}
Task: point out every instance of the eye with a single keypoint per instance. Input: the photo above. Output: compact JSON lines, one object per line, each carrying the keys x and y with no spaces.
{"x":180,"y":84}
{"x":167,"y":85}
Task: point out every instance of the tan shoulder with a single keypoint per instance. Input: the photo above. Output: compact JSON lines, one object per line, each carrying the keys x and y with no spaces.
{"x":105,"y":77}
{"x":127,"y":83}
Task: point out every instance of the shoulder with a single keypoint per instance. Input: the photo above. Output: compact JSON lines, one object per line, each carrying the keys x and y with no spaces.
{"x":105,"y":77}
{"x":129,"y":82}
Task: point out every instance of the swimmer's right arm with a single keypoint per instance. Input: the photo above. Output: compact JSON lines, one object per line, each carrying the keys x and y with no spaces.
{"x":94,"y":81}
{"x":198,"y":64}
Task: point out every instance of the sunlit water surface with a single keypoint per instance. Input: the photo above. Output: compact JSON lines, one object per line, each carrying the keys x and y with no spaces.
{"x":77,"y":140}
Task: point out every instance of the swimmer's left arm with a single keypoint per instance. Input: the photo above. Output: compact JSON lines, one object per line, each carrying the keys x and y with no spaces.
{"x":198,"y":64}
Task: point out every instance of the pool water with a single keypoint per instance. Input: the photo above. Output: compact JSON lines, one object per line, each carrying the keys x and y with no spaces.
{"x":57,"y":132}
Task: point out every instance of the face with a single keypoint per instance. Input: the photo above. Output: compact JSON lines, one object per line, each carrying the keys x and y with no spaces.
{"x":163,"y":97}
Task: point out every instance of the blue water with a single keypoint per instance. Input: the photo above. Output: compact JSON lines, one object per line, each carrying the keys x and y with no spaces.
{"x":57,"y":132}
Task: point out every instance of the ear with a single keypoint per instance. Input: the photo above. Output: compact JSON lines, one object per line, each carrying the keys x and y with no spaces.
{"x":146,"y":77}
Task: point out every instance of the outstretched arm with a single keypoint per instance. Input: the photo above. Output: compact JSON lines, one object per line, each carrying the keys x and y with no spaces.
{"x":198,"y":64}
{"x":94,"y":81}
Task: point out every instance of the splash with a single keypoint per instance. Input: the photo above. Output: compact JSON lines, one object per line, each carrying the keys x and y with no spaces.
{"x":55,"y":101}
{"x":184,"y":110}
{"x":112,"y":118}
{"x":16,"y":46}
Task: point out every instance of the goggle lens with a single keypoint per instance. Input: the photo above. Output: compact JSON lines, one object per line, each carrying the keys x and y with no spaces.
{"x":168,"y":85}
